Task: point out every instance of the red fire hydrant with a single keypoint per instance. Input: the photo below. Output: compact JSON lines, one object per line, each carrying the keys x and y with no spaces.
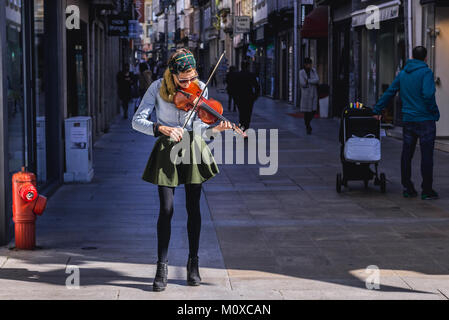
{"x":26,"y":204}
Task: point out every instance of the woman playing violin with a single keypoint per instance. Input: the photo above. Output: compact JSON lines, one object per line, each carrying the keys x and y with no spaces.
{"x":165,"y":173}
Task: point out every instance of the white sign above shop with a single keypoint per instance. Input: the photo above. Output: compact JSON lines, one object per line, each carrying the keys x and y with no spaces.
{"x":387,"y":11}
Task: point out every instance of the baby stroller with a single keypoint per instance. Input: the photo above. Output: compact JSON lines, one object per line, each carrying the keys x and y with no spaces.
{"x":360,"y":148}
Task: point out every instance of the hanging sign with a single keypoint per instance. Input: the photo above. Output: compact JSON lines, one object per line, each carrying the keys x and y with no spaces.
{"x":242,"y":24}
{"x":118,"y":26}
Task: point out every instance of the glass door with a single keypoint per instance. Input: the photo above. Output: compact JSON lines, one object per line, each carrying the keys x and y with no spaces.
{"x":387,"y":65}
{"x":442,"y":69}
{"x":39,"y":92}
{"x":15,"y":88}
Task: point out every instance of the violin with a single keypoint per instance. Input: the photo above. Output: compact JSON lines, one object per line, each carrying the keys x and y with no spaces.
{"x":209,"y":110}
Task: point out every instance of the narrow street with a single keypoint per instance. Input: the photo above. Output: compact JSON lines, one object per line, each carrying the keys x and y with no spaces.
{"x":287,"y":236}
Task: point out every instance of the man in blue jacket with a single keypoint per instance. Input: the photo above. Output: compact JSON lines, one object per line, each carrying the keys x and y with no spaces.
{"x":420,"y":113}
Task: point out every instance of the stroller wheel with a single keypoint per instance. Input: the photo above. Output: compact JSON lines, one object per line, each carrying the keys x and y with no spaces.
{"x":339,"y":183}
{"x":383,"y":183}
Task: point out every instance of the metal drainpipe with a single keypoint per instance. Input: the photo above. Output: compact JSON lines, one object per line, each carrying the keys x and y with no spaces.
{"x":295,"y":63}
{"x":410,"y":28}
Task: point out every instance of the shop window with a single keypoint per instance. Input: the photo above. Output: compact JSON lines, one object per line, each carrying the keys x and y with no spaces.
{"x":15,"y":96}
{"x":77,"y":71}
{"x":387,"y":65}
{"x":40,"y":89}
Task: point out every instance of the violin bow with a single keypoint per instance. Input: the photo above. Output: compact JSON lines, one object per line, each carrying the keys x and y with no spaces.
{"x":202,"y":91}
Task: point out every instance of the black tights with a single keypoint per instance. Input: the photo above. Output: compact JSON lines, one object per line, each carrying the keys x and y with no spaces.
{"x":166,"y":197}
{"x":308,"y":116}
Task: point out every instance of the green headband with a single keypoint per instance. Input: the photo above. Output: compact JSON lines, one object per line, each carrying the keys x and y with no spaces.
{"x":182,"y":62}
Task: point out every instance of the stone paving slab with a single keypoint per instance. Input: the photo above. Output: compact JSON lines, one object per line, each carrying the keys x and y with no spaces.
{"x":355,"y":294}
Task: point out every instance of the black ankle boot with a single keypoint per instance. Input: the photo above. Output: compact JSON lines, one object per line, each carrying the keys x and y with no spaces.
{"x":193,"y":273}
{"x":160,"y":280}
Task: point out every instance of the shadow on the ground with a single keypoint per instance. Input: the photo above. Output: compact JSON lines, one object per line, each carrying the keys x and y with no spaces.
{"x":88,"y":277}
{"x":323,"y":242}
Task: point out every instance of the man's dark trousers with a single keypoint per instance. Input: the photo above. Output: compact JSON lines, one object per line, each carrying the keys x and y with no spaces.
{"x":425,"y":131}
{"x":245,"y":107}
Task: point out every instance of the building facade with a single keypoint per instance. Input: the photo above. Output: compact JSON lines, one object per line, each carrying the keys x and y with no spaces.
{"x":53,"y":66}
{"x":431,"y":29}
{"x":365,"y":60}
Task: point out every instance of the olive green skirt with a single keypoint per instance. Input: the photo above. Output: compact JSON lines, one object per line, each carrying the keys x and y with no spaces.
{"x":161,"y":170}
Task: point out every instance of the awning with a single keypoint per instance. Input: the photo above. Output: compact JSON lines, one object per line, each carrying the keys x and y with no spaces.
{"x":316,"y":24}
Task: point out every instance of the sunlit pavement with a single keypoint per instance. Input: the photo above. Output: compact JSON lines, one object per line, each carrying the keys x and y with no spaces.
{"x":286,"y":236}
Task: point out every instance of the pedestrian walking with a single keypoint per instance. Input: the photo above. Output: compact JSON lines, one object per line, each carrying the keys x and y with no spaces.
{"x":135,"y":89}
{"x":166,"y":174}
{"x":230,"y":82}
{"x":309,"y":80}
{"x":124,"y":84}
{"x":246,"y":91}
{"x":160,"y":69}
{"x":222,"y":72}
{"x":151,"y":63}
{"x":199,"y":69}
{"x":145,"y":80}
{"x":155,"y":70}
{"x":213,"y":81}
{"x":420,"y":114}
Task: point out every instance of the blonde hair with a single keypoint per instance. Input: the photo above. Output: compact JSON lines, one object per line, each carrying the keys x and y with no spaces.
{"x":168,"y":87}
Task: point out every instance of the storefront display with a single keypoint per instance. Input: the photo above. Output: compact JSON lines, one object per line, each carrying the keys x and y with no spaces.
{"x":382,"y":57}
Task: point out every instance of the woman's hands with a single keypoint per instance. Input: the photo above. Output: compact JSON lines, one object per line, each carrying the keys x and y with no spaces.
{"x":223,"y":126}
{"x":174,"y":133}
{"x":177,"y":133}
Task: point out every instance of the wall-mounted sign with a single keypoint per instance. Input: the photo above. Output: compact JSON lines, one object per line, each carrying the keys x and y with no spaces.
{"x":135,"y":29}
{"x":118,"y":26}
{"x":242,"y":24}
{"x":140,"y":10}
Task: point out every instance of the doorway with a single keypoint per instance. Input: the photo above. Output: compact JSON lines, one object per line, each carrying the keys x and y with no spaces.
{"x":441,"y":69}
{"x":340,"y":95}
{"x":77,"y":71}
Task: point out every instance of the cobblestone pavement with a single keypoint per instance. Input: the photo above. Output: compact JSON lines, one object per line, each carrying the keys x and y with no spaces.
{"x":286,"y":236}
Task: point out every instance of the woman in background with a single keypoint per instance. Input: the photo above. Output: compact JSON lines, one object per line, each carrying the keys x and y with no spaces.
{"x":309,"y":81}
